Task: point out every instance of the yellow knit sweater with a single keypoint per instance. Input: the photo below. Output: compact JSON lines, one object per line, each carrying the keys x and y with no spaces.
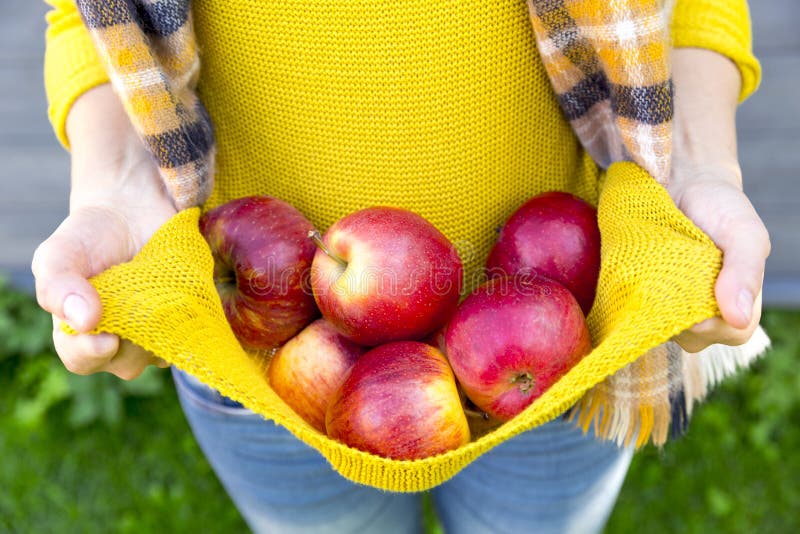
{"x":438,"y":106}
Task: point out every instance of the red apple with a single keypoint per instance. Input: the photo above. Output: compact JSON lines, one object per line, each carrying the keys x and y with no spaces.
{"x":556,"y":235}
{"x":310,"y":367}
{"x":399,"y":401}
{"x":386,"y":274}
{"x":513,"y":338}
{"x":262,"y":260}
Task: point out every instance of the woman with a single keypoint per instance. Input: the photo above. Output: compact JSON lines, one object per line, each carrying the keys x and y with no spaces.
{"x":415,"y":104}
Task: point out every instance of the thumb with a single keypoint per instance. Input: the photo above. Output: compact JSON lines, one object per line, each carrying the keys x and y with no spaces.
{"x":61,"y":268}
{"x":745,"y":246}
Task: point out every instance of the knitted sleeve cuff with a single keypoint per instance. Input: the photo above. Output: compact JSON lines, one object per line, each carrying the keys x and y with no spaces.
{"x":71,"y":67}
{"x":722,"y":26}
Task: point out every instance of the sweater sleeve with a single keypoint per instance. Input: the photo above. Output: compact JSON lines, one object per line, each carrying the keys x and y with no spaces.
{"x":722,"y":26}
{"x":71,"y":64}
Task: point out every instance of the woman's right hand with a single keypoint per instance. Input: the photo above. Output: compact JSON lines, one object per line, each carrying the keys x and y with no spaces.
{"x":117,"y":202}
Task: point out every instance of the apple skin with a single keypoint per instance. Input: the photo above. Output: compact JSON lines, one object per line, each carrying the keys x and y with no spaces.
{"x":262,"y":260}
{"x":513,"y":338}
{"x":309,"y":368}
{"x":554,"y":234}
{"x":436,"y":339}
{"x":399,"y":401}
{"x":402,"y":278}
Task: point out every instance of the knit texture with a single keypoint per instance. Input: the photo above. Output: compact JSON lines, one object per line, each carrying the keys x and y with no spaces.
{"x":722,"y":26}
{"x":657,"y":278}
{"x":609,"y":65}
{"x":71,"y":65}
{"x":439,"y":107}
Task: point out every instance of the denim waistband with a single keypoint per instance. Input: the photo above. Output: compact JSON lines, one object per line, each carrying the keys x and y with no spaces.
{"x":204,"y":392}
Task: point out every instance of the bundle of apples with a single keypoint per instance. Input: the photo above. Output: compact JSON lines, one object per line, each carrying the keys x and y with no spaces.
{"x":372,"y":372}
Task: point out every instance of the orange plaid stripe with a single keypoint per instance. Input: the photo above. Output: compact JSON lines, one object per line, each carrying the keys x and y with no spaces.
{"x":609,"y":65}
{"x":150,"y":53}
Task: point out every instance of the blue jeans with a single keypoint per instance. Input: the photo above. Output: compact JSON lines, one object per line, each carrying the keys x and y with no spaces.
{"x":549,"y":479}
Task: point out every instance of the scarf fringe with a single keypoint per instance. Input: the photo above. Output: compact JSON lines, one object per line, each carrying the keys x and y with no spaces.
{"x":628,"y":423}
{"x":718,"y":362}
{"x":721,"y":361}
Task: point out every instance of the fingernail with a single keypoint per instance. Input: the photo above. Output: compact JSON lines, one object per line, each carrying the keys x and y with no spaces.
{"x":745,"y":304}
{"x":76,"y":311}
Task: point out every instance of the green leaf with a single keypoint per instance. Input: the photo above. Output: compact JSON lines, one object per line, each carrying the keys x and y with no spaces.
{"x":111,"y":405}
{"x":718,"y":501}
{"x":51,"y":388}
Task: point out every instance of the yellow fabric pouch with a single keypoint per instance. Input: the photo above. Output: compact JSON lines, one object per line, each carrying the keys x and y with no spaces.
{"x":657,"y":279}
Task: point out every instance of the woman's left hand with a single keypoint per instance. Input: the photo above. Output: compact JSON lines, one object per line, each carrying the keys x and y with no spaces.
{"x":714,"y":201}
{"x":706,"y":185}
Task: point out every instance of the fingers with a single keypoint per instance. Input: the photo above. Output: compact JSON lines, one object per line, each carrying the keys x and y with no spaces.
{"x":88,"y":242}
{"x":745,"y":245}
{"x":718,"y":206}
{"x":716,"y":330}
{"x":130,"y":361}
{"x":61,"y":270}
{"x":85,"y":354}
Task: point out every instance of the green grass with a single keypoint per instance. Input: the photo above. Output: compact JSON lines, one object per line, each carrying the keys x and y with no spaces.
{"x":145,"y":475}
{"x":94,"y":454}
{"x":738,"y":467}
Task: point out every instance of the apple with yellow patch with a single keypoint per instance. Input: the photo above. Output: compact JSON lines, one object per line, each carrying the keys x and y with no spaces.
{"x":310,"y":367}
{"x":399,"y":401}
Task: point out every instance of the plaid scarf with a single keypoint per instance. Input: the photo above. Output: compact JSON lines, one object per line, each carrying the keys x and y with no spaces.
{"x":609,"y":66}
{"x":149,"y":50}
{"x":608,"y":63}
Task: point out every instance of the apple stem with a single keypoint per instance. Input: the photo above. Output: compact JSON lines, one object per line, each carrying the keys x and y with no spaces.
{"x":525,"y":382}
{"x":315,"y":236}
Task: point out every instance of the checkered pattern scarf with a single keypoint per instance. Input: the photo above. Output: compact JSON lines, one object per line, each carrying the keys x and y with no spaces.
{"x":609,"y":65}
{"x":150,"y":53}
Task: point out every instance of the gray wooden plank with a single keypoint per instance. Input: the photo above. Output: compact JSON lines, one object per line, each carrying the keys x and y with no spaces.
{"x":20,"y":235}
{"x":783,"y":229}
{"x":34,"y":197}
{"x":770,"y":161}
{"x":775,"y":25}
{"x":20,"y":240}
{"x":19,"y":277}
{"x":21,"y":231}
{"x":23,"y":111}
{"x":23,"y":107}
{"x":22,"y":29}
{"x":36,"y":174}
{"x":775,"y":106}
{"x":781,"y":292}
